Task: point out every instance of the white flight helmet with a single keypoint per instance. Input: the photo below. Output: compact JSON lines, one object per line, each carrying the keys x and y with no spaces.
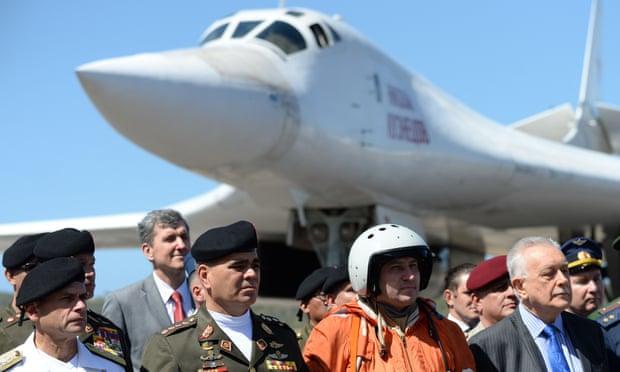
{"x":384,"y":242}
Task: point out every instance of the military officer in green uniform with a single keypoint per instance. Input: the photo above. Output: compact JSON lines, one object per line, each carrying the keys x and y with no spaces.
{"x":101,"y":336}
{"x":609,"y":318}
{"x":17,"y":260}
{"x":313,"y":302}
{"x":225,"y":334}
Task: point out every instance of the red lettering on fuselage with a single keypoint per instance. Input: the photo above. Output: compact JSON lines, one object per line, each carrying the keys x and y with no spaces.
{"x":406,"y":129}
{"x":399,"y":98}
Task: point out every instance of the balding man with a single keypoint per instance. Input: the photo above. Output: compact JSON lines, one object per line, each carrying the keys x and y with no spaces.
{"x":540,"y":335}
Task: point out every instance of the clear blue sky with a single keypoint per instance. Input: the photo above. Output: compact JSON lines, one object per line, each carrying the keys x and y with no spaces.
{"x":60,"y":158}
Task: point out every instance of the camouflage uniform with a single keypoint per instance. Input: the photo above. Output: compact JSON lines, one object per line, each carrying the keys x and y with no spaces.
{"x":198,"y":344}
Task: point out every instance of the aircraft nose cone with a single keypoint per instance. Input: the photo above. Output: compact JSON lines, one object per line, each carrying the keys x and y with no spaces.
{"x":178,"y":106}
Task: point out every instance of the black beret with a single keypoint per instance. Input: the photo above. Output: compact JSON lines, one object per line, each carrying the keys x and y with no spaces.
{"x":582,"y":252}
{"x":48,"y":277}
{"x":336,"y":277}
{"x":313,"y":283}
{"x":222,"y":241}
{"x":64,"y":243}
{"x":20,"y":252}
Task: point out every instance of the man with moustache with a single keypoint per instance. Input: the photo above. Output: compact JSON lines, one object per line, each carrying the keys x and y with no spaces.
{"x":540,"y":335}
{"x":458,"y":298}
{"x":493,"y":296}
{"x":225,"y":335}
{"x":53,"y":296}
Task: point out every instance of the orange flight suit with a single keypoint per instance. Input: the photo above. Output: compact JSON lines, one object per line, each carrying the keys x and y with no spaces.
{"x":330,"y":343}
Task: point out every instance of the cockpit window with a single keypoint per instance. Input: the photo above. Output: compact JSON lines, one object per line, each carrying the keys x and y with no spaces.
{"x":319,"y":35}
{"x":244,"y":27}
{"x":285,"y":36}
{"x":215,"y":34}
{"x":295,"y":13}
{"x":335,"y":35}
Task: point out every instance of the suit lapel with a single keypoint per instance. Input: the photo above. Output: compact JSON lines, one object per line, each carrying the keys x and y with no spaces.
{"x":577,"y":343}
{"x":528,"y":341}
{"x":154,"y":302}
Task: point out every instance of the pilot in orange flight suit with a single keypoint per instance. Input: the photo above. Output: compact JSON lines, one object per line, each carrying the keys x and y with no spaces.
{"x":388,"y":328}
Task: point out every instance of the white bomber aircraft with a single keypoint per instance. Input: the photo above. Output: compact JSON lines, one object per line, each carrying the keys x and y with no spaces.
{"x":316,"y":134}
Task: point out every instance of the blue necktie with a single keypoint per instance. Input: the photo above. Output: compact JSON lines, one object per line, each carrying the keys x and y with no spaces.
{"x":554,"y":351}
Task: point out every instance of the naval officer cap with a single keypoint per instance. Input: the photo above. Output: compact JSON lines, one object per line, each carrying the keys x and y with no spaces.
{"x":64,"y":243}
{"x":222,"y":241}
{"x":582,"y":253}
{"x":21,"y":252}
{"x":486,"y":273}
{"x":49,"y":277}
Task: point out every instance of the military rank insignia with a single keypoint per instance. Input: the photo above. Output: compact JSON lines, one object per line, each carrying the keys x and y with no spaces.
{"x":212,"y":359}
{"x":261,"y":344}
{"x":279,"y":365}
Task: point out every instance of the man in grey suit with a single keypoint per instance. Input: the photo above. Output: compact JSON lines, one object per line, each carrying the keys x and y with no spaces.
{"x":148,"y":306}
{"x":540,"y":335}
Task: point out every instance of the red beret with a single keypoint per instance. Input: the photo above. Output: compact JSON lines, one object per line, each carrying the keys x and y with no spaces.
{"x":487,"y":272}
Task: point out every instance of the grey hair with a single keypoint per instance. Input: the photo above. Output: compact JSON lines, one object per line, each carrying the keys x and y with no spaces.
{"x":159,"y":217}
{"x":516,"y":260}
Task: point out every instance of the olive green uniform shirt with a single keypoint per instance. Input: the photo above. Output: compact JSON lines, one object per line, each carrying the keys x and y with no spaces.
{"x":11,"y":333}
{"x":302,"y":336}
{"x":199,"y":344}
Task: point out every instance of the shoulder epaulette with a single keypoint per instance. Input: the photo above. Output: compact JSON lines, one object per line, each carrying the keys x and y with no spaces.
{"x":607,"y":309}
{"x":185,"y":323}
{"x":98,"y":318}
{"x":273,"y":321}
{"x":10,"y":358}
{"x":609,"y":315}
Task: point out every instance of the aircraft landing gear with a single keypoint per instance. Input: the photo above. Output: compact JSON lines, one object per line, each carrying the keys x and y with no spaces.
{"x":331,"y":231}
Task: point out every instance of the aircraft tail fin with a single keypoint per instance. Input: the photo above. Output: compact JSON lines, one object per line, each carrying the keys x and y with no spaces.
{"x":592,"y":125}
{"x":588,"y":131}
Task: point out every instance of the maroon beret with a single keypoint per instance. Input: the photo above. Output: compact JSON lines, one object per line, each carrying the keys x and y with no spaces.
{"x":487,"y":272}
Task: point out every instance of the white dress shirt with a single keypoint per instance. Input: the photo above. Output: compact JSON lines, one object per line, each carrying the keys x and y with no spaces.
{"x":83,"y":361}
{"x":464,"y":326}
{"x":165,"y":291}
{"x":536,"y":326}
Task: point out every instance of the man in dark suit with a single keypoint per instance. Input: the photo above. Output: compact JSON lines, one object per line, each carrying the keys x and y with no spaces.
{"x":540,"y":335}
{"x":162,"y":298}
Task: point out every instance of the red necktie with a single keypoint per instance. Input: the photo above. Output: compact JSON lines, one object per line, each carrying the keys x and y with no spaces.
{"x":179,"y":314}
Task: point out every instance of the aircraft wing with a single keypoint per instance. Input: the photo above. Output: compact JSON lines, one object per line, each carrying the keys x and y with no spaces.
{"x":553,"y":124}
{"x":222,"y":205}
